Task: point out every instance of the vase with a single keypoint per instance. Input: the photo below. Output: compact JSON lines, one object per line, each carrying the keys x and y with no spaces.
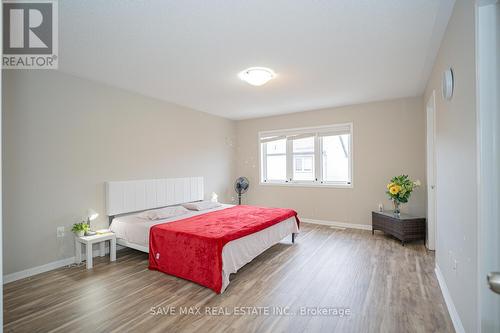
{"x":397,"y":211}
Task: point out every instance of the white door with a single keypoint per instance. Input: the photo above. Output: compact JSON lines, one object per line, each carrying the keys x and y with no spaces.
{"x":488,"y":49}
{"x":431,"y":172}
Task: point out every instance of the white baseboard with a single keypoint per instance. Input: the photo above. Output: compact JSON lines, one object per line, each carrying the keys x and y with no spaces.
{"x":455,"y":318}
{"x":48,"y":267}
{"x":37,"y":270}
{"x":338,"y":224}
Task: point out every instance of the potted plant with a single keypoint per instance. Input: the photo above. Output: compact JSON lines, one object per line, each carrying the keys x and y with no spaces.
{"x":80,"y":228}
{"x":399,"y":191}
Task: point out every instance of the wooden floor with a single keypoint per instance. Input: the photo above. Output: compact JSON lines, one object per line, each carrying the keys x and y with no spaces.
{"x":384,"y":286}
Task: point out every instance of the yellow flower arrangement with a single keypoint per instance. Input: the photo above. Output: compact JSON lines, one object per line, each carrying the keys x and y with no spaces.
{"x":399,"y":190}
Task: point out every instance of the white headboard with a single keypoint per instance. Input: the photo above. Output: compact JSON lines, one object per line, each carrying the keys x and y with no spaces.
{"x":136,"y":195}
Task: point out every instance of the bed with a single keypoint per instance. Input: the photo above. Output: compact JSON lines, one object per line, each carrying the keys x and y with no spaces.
{"x":124,"y":200}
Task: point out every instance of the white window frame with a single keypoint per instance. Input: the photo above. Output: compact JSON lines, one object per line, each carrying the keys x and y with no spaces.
{"x":318,"y":165}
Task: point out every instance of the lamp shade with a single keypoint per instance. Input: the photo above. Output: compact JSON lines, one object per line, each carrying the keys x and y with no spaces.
{"x":92,"y":214}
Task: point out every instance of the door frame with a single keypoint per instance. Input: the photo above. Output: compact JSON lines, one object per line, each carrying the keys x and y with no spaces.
{"x":488,"y":163}
{"x":1,"y":214}
{"x":431,"y":171}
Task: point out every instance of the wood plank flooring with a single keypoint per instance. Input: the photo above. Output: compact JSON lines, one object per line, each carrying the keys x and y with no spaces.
{"x":385,"y":288}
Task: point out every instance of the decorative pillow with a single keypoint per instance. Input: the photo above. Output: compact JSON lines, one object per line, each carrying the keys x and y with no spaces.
{"x":163,"y":213}
{"x":201,"y":205}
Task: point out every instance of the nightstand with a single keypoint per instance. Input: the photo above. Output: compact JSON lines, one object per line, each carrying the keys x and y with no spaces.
{"x":89,"y":240}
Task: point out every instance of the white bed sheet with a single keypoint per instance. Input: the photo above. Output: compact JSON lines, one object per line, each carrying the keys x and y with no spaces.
{"x":133,"y":232}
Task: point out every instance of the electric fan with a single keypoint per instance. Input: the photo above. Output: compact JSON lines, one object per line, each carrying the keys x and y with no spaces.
{"x":241,"y":186}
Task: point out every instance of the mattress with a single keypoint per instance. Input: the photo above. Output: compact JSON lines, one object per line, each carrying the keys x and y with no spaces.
{"x":133,"y":232}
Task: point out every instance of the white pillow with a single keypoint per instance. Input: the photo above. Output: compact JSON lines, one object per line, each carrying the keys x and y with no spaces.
{"x":201,"y":205}
{"x":163,"y":213}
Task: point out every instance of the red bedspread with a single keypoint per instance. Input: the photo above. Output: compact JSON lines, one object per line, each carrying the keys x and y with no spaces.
{"x":192,"y":248}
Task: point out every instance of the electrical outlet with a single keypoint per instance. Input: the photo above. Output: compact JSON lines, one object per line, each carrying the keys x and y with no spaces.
{"x":60,"y":231}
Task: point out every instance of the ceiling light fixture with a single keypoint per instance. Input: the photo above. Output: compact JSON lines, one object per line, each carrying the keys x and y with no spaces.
{"x":257,"y":76}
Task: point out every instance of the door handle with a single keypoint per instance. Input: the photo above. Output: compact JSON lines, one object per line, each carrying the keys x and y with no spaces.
{"x":493,"y":279}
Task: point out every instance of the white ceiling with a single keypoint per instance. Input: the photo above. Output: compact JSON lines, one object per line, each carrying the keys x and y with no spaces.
{"x":189,"y":52}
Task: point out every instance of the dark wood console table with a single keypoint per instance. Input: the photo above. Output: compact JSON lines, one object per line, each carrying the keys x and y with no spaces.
{"x":404,"y":227}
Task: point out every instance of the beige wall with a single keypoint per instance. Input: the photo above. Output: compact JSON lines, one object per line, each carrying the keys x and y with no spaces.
{"x":456,"y":184}
{"x":389,"y":139}
{"x":64,"y":136}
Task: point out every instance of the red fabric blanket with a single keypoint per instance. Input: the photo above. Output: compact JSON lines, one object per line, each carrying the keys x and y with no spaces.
{"x":192,"y":248}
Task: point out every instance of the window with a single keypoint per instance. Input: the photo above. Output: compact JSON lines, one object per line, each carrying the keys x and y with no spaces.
{"x":335,"y":157}
{"x":276,"y":160}
{"x":303,"y":158}
{"x":320,"y":156}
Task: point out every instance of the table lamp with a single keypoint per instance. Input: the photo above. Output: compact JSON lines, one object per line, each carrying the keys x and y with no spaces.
{"x":91,"y":216}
